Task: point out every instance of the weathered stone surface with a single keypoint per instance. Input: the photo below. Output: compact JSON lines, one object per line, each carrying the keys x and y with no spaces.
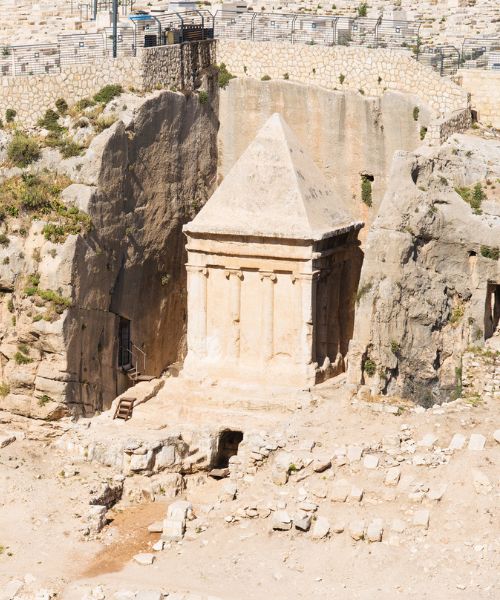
{"x":321,"y":528}
{"x":144,"y":559}
{"x":281,"y":521}
{"x":357,"y":529}
{"x":421,"y":518}
{"x":374,"y":530}
{"x":476,"y":442}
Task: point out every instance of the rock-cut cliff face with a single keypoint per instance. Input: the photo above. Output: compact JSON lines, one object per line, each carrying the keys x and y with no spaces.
{"x":430,"y":281}
{"x":139,"y":181}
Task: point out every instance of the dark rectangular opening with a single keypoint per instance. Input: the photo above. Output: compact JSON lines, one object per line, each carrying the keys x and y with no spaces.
{"x":492,"y":310}
{"x":124,"y":343}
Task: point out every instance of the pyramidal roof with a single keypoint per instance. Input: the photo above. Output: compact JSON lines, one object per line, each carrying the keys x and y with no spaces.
{"x":274,"y":190}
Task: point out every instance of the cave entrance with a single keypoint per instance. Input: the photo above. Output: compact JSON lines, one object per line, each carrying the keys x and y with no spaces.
{"x":124,"y":343}
{"x":492,"y":311}
{"x":228,"y":444}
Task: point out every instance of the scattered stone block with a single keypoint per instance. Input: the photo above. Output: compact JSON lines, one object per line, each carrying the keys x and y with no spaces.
{"x":11,"y":589}
{"x":374,"y":531}
{"x":421,"y":518}
{"x":357,"y":529}
{"x":321,"y":464}
{"x":303,"y":522}
{"x":308,"y":506}
{"x":279,"y":476}
{"x":320,"y":490}
{"x":370,"y":461}
{"x":437,"y":492}
{"x":428,"y":440}
{"x":340,"y":490}
{"x":229,"y":491}
{"x":218,"y":473}
{"x":179,"y":511}
{"x":158,"y":546}
{"x":338,"y":526}
{"x":156,"y":527}
{"x":476,"y":442}
{"x":356,"y":493}
{"x":321,"y":528}
{"x":173,"y":531}
{"x":281,"y":521}
{"x":457,"y":442}
{"x":144,"y":558}
{"x":354,"y":453}
{"x":392,"y":476}
{"x":496,"y":436}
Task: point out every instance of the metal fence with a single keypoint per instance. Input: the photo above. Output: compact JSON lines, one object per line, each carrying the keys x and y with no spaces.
{"x":315,"y":29}
{"x":146,"y":30}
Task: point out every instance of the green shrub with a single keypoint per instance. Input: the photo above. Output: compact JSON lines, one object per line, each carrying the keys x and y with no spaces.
{"x":341,"y":78}
{"x":104,"y":123}
{"x":224,"y":76}
{"x":203,"y":97}
{"x":68,"y":149}
{"x":286,"y":76}
{"x":4,"y":389}
{"x":23,"y":150}
{"x":23,"y":348}
{"x":38,"y":196}
{"x":21,"y":359}
{"x":362,"y":9}
{"x":416,"y":112}
{"x":423,"y":132}
{"x":370,"y":367}
{"x":54,"y":298}
{"x":456,"y":314}
{"x":4,"y":240}
{"x":490,"y":252}
{"x":362,"y":291}
{"x":43,"y":400}
{"x":265,"y":78}
{"x":50,"y":121}
{"x":395,"y":347}
{"x":10,"y":115}
{"x":84,"y":103}
{"x":62,"y":106}
{"x":473,"y":197}
{"x":107,"y":93}
{"x":366,"y":190}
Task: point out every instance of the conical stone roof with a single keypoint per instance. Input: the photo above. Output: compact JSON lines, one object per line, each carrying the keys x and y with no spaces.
{"x":274,"y":190}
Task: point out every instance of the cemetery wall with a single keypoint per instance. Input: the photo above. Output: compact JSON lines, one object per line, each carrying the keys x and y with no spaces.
{"x":484,"y":87}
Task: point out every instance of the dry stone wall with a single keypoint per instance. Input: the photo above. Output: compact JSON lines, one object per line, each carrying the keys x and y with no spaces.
{"x":178,"y":66}
{"x":481,"y":374}
{"x":373,"y":71}
{"x":484,"y":87}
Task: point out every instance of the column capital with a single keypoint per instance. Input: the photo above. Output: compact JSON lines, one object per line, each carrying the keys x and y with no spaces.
{"x":268,"y":275}
{"x":197,"y":269}
{"x":236,"y":272}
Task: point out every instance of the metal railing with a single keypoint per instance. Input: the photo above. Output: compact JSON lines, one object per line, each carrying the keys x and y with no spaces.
{"x":147,"y":30}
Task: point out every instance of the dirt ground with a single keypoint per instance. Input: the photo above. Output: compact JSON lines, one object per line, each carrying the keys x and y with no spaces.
{"x":458,"y":556}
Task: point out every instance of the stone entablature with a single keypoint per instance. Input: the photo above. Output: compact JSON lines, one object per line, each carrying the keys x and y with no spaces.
{"x":371,"y":70}
{"x":271,"y":271}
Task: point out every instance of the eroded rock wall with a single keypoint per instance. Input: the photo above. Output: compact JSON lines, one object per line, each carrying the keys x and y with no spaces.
{"x":139,"y":181}
{"x":347,"y":134}
{"x":429,"y":258}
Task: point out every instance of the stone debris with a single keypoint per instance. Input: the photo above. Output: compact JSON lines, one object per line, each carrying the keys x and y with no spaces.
{"x":421,"y":518}
{"x":340,"y":490}
{"x":156,"y":527}
{"x":357,"y":529}
{"x":356,"y":493}
{"x":302,"y":521}
{"x":496,"y":436}
{"x":437,"y":492}
{"x":321,"y":528}
{"x":6,"y":440}
{"x":370,"y":461}
{"x":374,"y":530}
{"x":392,"y":476}
{"x":476,"y":442}
{"x":354,"y":453}
{"x":281,"y":521}
{"x":229,"y":491}
{"x":321,"y":464}
{"x":144,"y":558}
{"x":457,"y":442}
{"x":428,"y":441}
{"x":338,"y":526}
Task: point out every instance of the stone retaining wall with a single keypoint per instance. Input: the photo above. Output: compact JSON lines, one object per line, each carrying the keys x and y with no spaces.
{"x":481,"y":375}
{"x":484,"y":87}
{"x":177,"y":66}
{"x":370,"y":71}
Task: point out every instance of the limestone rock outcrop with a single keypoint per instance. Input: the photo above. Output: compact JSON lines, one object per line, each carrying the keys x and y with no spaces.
{"x":431,"y":263}
{"x":139,"y":182}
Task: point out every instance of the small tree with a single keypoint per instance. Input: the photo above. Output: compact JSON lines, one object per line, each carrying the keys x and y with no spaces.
{"x":362,"y":9}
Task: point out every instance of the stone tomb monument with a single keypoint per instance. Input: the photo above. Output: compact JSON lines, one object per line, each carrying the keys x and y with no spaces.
{"x":273,"y":266}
